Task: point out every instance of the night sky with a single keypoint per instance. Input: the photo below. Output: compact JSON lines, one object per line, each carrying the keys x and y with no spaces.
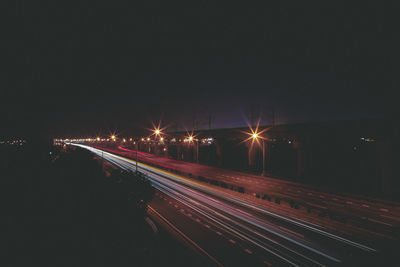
{"x":89,"y":69}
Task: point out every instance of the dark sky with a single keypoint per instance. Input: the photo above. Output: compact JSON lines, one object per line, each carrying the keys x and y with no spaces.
{"x":82,"y":70}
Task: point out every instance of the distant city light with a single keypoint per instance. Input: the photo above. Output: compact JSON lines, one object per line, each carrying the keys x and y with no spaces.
{"x":208,"y":140}
{"x":19,"y":142}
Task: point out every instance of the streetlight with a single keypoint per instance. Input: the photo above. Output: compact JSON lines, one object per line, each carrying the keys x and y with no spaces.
{"x":191,"y":139}
{"x":137,"y":148}
{"x":255,"y":136}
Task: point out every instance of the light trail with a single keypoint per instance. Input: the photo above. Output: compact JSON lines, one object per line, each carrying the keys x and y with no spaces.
{"x":293,"y":249}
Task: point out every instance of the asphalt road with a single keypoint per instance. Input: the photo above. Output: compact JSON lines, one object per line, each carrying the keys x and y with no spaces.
{"x":379,"y":217}
{"x":233,"y":231}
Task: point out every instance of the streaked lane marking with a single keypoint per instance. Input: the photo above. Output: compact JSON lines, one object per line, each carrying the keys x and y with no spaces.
{"x":267,"y":263}
{"x":377,"y":221}
{"x":185,"y":236}
{"x":248,"y":251}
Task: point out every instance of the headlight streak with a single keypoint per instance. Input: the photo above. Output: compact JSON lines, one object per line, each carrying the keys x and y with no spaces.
{"x":243,"y":236}
{"x":230,"y":211}
{"x":255,"y":207}
{"x":179,"y":184}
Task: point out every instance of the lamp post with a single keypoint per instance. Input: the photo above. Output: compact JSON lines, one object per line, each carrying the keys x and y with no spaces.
{"x":157,"y":132}
{"x":197,"y":151}
{"x":255,"y":136}
{"x":191,"y":139}
{"x":137,"y":148}
{"x":263,"y":163}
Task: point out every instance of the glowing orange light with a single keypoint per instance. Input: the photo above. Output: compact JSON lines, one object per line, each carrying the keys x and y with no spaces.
{"x":162,"y":139}
{"x":255,"y":135}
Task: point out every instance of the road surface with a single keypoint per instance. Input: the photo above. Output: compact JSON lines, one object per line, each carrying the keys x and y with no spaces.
{"x":234,"y":231}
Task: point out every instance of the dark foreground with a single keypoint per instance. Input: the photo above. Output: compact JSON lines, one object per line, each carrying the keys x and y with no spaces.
{"x":60,"y":209}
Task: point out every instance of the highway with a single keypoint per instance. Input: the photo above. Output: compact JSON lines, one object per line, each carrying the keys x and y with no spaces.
{"x":231,"y":230}
{"x":367,"y":216}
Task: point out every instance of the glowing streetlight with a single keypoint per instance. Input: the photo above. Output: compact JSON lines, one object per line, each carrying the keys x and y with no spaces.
{"x":190,"y":138}
{"x":148,"y":138}
{"x":255,"y":136}
{"x":124,"y":140}
{"x":157,"y":131}
{"x":98,"y":139}
{"x":113,"y":137}
{"x":161,"y":139}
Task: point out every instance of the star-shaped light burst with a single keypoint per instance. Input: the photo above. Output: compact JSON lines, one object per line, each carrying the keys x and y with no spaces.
{"x":113,"y":136}
{"x":157,"y":131}
{"x":255,"y":135}
{"x":190,"y":137}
